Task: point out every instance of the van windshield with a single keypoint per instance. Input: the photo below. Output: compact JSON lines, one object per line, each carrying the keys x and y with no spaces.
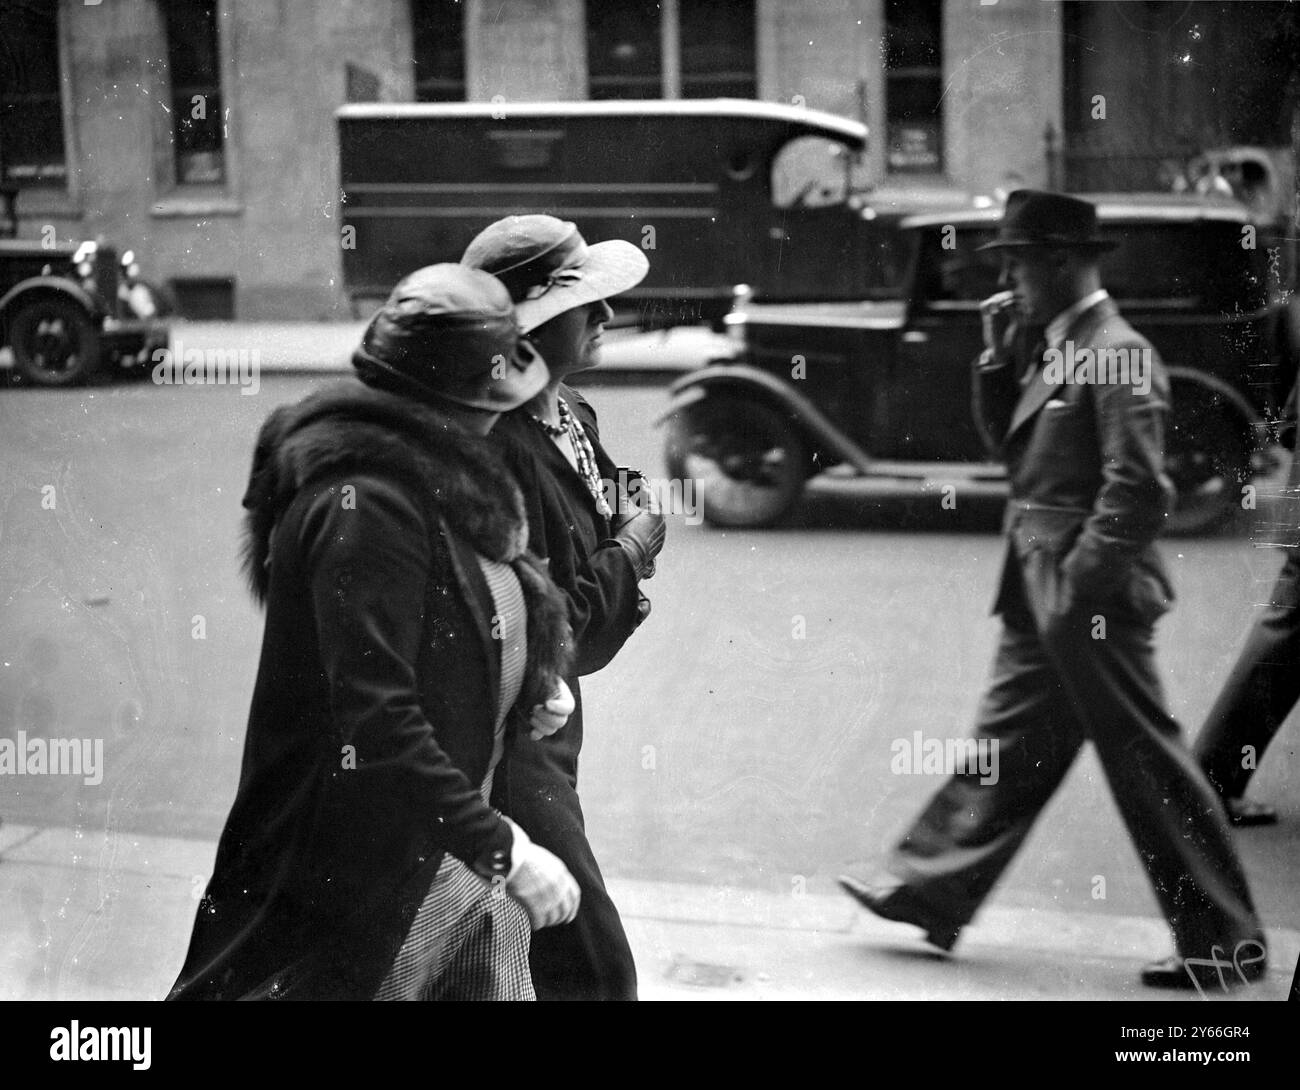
{"x":811,"y":172}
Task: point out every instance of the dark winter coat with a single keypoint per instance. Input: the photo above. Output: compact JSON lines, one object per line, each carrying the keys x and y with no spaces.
{"x":372,"y":719}
{"x":589,"y":958}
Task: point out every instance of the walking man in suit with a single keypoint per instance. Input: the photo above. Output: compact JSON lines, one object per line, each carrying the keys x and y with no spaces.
{"x":1081,"y":589}
{"x":1263,"y":687}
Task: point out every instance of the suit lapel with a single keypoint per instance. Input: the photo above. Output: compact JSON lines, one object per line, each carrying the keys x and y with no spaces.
{"x":1039,"y":392}
{"x":565,"y":476}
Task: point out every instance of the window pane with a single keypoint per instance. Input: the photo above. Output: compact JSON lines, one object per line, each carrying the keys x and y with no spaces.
{"x":624,"y":50}
{"x":438,"y":28}
{"x":914,"y":86}
{"x":31,"y":110}
{"x":718,"y":48}
{"x":914,"y":31}
{"x":1170,"y":262}
{"x":196,"y":91}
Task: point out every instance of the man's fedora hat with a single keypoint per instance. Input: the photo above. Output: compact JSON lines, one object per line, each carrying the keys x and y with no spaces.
{"x":1048,"y":220}
{"x":451,"y":331}
{"x":548,"y":267}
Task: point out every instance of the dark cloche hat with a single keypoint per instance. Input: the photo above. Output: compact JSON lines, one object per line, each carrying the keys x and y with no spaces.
{"x":451,"y":331}
{"x":1048,"y":220}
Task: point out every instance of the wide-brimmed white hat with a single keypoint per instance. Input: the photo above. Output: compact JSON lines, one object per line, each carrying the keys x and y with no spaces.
{"x":548,"y":267}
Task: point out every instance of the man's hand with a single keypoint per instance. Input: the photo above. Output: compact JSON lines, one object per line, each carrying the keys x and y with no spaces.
{"x":541,"y":883}
{"x":547,"y":718}
{"x":998,"y":315}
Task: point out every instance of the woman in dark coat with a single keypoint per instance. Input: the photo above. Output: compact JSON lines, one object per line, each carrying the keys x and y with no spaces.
{"x":406,"y":627}
{"x":597,"y":554}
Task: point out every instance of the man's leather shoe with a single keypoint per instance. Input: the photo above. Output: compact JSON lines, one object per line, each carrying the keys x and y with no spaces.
{"x":898,"y":903}
{"x":1208,"y":974}
{"x":1244,"y":812}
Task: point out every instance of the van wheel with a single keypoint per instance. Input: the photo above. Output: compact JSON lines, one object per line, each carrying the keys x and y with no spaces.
{"x":1208,"y":458}
{"x":746,"y":458}
{"x":54,"y":342}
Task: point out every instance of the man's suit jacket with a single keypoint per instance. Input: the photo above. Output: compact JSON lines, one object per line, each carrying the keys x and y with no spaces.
{"x":1086,"y":469}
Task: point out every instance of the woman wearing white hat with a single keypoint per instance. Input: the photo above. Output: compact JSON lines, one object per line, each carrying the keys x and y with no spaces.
{"x":598,"y":554}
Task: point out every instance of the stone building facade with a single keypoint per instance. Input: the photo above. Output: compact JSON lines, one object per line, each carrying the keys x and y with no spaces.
{"x":238,"y":209}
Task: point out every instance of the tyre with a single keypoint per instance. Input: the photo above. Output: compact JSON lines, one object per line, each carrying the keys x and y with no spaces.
{"x":54,"y":342}
{"x":746,"y":457}
{"x":1207,"y":456}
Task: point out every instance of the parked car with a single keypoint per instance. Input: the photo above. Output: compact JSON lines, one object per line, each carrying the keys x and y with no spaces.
{"x":882,"y":387}
{"x":70,"y":310}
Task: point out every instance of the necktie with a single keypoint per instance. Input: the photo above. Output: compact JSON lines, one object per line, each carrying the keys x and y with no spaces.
{"x":1034,"y":361}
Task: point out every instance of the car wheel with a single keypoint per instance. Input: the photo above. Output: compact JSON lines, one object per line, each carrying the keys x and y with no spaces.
{"x":54,"y":342}
{"x":746,"y":458}
{"x":1207,"y":456}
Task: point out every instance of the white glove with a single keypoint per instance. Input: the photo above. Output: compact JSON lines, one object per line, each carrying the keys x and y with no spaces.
{"x":547,"y":718}
{"x":540,"y":882}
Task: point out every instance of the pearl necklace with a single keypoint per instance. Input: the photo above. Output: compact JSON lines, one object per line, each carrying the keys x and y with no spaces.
{"x":584,"y":455}
{"x":555,"y":431}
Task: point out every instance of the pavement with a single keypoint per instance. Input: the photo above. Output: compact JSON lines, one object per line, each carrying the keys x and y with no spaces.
{"x":101,"y":915}
{"x":627,"y":355}
{"x":95,"y":912}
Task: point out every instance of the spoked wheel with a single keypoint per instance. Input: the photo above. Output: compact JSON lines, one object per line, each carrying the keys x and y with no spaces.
{"x":1208,"y":458}
{"x":746,"y":458}
{"x":54,"y":342}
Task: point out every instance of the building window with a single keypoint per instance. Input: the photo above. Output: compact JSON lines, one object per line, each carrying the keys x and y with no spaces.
{"x":678,"y":48}
{"x":198,"y":120}
{"x":914,"y":86}
{"x":719,"y":51}
{"x":205,"y":298}
{"x":31,"y":107}
{"x":625,"y":50}
{"x":438,"y":31}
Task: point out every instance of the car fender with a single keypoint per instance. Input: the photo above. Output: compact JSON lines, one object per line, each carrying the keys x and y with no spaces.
{"x":1253,"y":423}
{"x":44,"y":285}
{"x":739,"y":377}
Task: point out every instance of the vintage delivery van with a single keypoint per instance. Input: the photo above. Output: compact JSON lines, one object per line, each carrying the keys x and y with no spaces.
{"x":717,"y":192}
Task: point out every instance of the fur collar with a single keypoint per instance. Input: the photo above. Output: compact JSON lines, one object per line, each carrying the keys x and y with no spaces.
{"x":352,"y":427}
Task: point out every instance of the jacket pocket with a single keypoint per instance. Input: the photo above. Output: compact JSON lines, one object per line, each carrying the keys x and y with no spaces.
{"x":1147,"y":595}
{"x":1051,"y":529}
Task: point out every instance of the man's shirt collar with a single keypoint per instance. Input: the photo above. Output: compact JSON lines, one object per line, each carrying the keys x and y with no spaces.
{"x":1059,"y":326}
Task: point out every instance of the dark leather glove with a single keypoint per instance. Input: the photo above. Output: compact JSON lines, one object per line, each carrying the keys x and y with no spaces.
{"x":642,"y":537}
